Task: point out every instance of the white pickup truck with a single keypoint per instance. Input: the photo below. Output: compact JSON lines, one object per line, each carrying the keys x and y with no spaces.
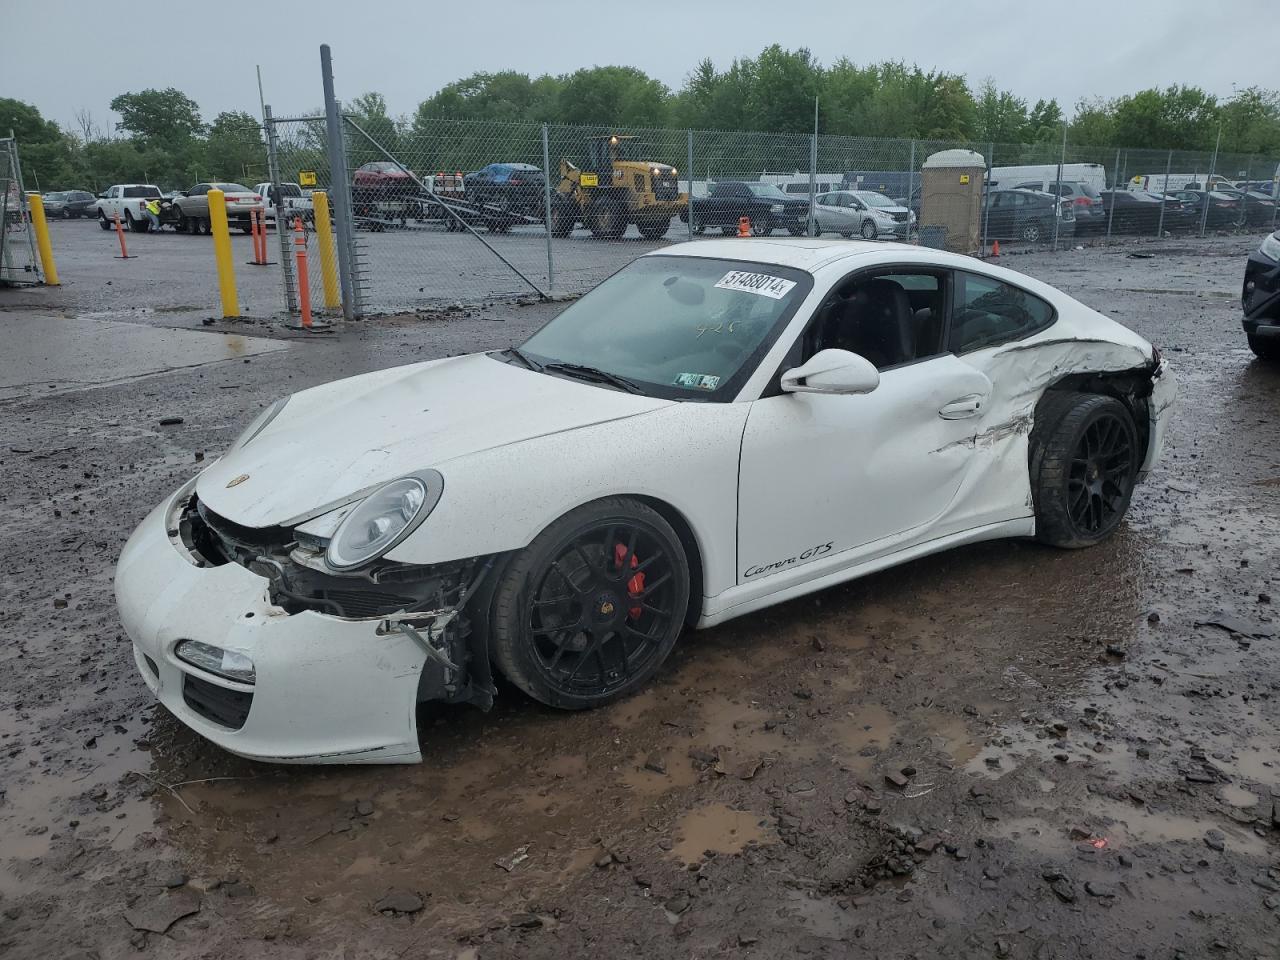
{"x":129,"y":202}
{"x":297,"y":202}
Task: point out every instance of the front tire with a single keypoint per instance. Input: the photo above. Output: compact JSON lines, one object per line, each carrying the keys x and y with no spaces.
{"x":103,"y":222}
{"x":1084,"y":463}
{"x":588,"y":612}
{"x":869,"y":231}
{"x":1264,"y":349}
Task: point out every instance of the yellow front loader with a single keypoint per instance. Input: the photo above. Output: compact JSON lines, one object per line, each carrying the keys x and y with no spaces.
{"x":612,"y":191}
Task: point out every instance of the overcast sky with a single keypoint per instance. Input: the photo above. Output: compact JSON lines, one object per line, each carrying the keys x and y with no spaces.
{"x":63,"y":55}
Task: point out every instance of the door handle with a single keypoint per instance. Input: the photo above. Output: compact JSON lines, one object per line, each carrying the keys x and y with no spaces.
{"x":969,"y":406}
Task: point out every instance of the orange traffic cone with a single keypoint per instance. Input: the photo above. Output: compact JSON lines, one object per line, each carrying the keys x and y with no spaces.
{"x":744,"y":226}
{"x":995,"y":248}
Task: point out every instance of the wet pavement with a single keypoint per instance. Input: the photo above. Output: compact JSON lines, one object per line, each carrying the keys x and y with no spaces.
{"x":1001,"y":751}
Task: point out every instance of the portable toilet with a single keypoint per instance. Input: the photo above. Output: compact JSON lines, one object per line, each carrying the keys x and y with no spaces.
{"x":951,"y":199}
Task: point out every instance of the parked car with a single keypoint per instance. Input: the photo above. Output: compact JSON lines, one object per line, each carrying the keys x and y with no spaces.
{"x":766,"y":206}
{"x":510,"y":187}
{"x":191,"y":210}
{"x":1259,"y":207}
{"x":795,"y":416}
{"x":296,"y":202}
{"x":128,"y":201}
{"x":1084,"y":198}
{"x":1027,"y":215}
{"x":1138,"y":211}
{"x":1225,"y":209}
{"x":865,"y":213}
{"x":381,"y":186}
{"x":1260,"y":299}
{"x":69,"y":204}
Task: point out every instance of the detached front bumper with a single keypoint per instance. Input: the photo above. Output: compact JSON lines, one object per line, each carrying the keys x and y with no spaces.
{"x":1164,"y":390}
{"x":327,"y":689}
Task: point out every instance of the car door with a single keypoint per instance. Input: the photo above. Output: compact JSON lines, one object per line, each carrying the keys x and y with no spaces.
{"x":1000,"y":215}
{"x":830,"y":212}
{"x":197,"y":201}
{"x":828,"y":475}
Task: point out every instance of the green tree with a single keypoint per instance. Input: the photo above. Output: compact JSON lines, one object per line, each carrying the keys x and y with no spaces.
{"x":1178,"y":117}
{"x":999,"y":116}
{"x":1044,"y":122}
{"x":785,"y":83}
{"x":612,"y":97}
{"x":234,"y":149}
{"x":166,"y":117}
{"x":49,"y":157}
{"x":1093,"y":124}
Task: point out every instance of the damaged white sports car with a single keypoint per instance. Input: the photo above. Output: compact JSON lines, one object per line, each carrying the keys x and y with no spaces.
{"x":718,"y":427}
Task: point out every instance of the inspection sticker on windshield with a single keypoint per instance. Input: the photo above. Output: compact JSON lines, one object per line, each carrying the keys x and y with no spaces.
{"x":697,"y":381}
{"x":762,"y":283}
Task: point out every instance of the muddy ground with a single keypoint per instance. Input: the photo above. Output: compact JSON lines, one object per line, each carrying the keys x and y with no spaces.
{"x":1002,"y":751}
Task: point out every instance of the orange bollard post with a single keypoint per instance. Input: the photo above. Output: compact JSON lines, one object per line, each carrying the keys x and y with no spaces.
{"x":744,"y":226}
{"x":124,"y":251}
{"x":254,"y":229}
{"x":304,"y":284}
{"x":260,"y":244}
{"x":995,"y":248}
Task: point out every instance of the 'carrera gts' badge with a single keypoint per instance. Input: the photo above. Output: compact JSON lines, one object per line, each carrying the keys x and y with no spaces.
{"x":236,"y":481}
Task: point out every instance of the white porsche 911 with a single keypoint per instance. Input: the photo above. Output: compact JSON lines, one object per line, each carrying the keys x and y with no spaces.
{"x":718,"y":427}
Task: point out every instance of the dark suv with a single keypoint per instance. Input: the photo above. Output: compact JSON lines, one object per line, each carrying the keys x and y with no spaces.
{"x":1085,"y":201}
{"x":1260,"y":298}
{"x":511,"y":187}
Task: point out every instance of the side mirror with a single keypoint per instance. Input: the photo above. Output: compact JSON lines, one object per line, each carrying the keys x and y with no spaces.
{"x":832,"y":371}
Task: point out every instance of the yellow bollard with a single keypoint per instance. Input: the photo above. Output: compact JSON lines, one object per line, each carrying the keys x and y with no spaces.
{"x":328,"y":258}
{"x":36,"y":205}
{"x":222,"y":253}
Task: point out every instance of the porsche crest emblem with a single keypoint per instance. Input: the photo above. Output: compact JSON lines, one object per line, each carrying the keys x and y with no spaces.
{"x":236,"y":481}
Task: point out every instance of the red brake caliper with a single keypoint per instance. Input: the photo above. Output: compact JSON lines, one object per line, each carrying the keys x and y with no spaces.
{"x":635,"y":586}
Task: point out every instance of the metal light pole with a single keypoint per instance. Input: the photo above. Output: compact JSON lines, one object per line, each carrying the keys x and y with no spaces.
{"x":546,"y":203}
{"x":813,"y":172}
{"x":1057,"y":216}
{"x":340,"y":189}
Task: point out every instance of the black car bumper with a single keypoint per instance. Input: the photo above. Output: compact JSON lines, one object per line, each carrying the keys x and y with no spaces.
{"x":1260,"y":296}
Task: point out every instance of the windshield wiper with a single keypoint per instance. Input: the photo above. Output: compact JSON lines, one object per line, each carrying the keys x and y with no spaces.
{"x":524,"y":358}
{"x":584,"y":372}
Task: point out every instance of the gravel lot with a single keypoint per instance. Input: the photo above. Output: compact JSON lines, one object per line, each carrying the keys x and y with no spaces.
{"x":1091,"y":735}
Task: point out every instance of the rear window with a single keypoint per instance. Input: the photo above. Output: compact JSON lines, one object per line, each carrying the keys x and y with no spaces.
{"x":290,"y":190}
{"x":142,"y":191}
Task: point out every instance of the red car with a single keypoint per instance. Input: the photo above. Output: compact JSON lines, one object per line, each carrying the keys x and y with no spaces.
{"x":381,"y":182}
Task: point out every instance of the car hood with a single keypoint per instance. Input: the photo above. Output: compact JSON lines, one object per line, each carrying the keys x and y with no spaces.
{"x":333,"y":443}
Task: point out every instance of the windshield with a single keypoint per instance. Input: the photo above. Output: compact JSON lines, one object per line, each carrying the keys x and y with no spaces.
{"x":768,"y":190}
{"x":872,"y":199}
{"x":679,"y":327}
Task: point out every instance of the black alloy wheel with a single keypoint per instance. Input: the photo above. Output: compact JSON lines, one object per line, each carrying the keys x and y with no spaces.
{"x":588,"y":612}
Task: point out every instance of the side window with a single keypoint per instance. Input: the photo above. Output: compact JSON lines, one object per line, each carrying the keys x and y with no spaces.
{"x":890,"y":317}
{"x":199,"y":190}
{"x":115,"y":192}
{"x":988,"y":312}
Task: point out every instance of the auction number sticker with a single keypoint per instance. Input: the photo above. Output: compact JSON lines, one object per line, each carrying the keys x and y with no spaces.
{"x":775,"y":288}
{"x":697,"y":381}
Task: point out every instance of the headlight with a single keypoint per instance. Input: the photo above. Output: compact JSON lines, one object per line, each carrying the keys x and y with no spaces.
{"x":1271,"y":247}
{"x":776,"y":208}
{"x":221,"y":663}
{"x":383,"y":519}
{"x":259,"y":423}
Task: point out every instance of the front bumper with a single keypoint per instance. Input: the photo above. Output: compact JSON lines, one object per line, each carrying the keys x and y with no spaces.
{"x":327,"y":690}
{"x":1164,"y":390}
{"x":1260,"y":296}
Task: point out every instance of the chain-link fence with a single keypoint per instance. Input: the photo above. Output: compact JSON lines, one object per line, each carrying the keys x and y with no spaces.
{"x":442,"y":211}
{"x":18,"y":263}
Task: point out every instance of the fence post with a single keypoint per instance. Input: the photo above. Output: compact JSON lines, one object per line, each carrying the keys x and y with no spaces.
{"x":986,"y":195}
{"x":1208,"y":183}
{"x":911,"y":180}
{"x":35,"y":203}
{"x":1057,"y":210}
{"x":273,"y":171}
{"x":689,"y":192}
{"x":1115,"y":187}
{"x":1164,"y":194}
{"x":340,"y":189}
{"x":546,"y":213}
{"x":813,"y":174}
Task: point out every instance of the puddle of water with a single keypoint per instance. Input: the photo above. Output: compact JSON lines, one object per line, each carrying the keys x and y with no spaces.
{"x":718,"y":828}
{"x":679,"y":773}
{"x":738,"y":728}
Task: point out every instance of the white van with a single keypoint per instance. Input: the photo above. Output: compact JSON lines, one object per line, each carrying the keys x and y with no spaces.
{"x":1091,"y":174}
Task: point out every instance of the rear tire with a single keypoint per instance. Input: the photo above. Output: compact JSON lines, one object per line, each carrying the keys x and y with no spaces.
{"x":1032,"y":232}
{"x":588,"y":612}
{"x":1264,"y":349}
{"x":654,"y":230}
{"x":564,"y":214}
{"x":1084,"y":463}
{"x":607,"y":218}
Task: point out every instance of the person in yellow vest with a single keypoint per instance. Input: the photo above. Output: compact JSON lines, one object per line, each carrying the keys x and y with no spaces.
{"x":153,"y":213}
